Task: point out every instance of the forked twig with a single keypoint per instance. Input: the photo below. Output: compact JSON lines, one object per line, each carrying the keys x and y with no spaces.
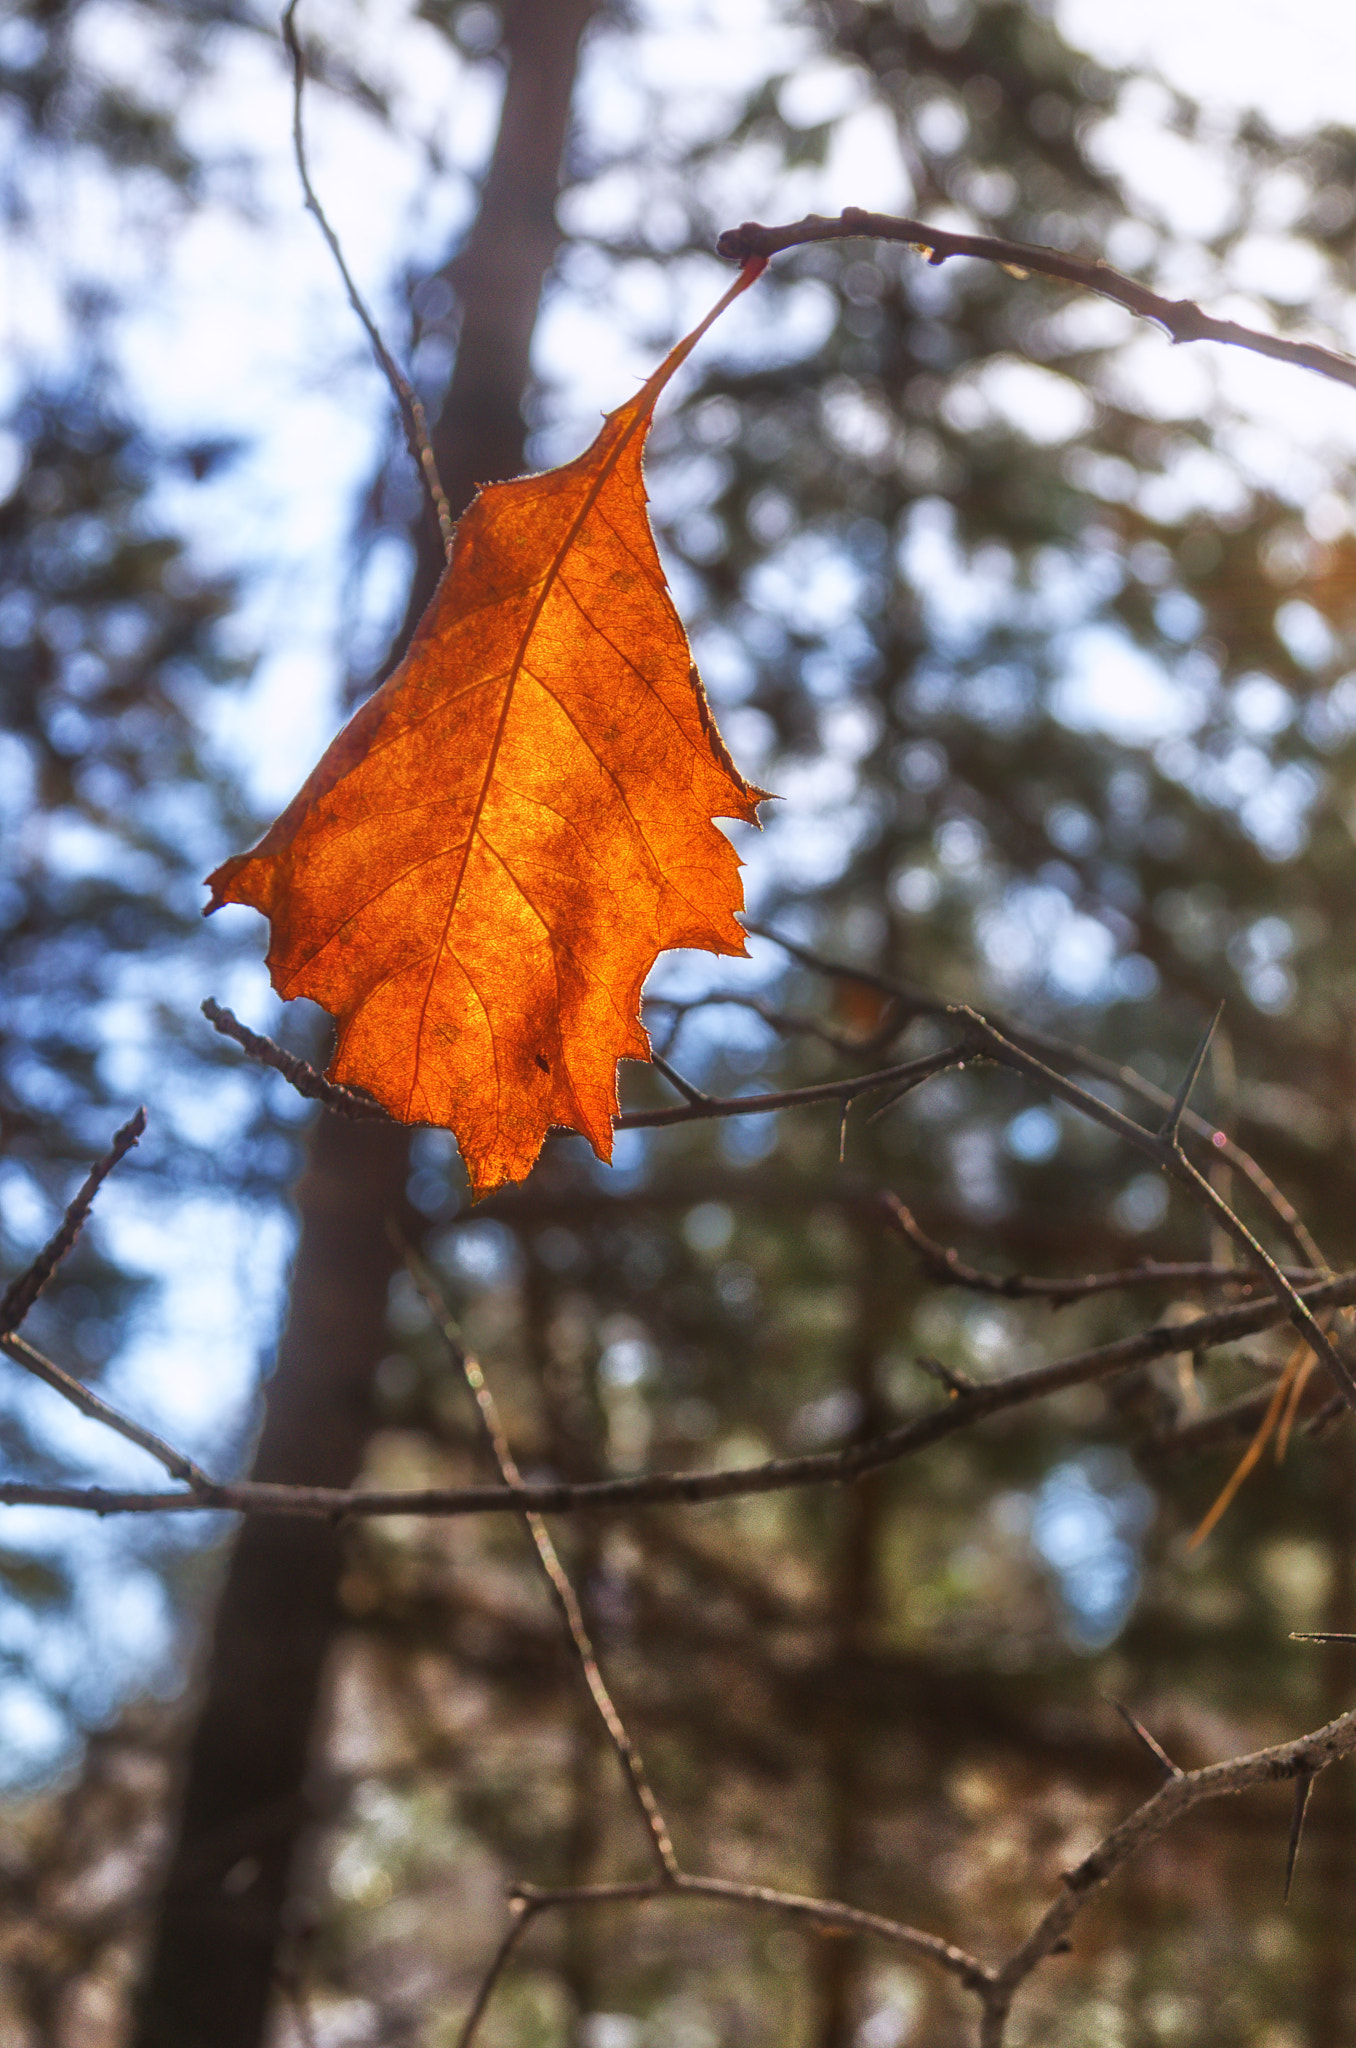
{"x":914,"y":1001}
{"x":995,"y":1988}
{"x":308,"y":1081}
{"x":1164,"y":1148}
{"x":1301,"y":1759}
{"x":23,"y":1292}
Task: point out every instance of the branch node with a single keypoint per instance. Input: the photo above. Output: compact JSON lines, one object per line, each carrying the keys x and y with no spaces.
{"x":952,"y":1378}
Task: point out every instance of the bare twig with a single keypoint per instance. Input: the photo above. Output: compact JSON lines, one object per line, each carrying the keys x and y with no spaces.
{"x":24,"y":1290}
{"x":919,"y":1002}
{"x":1305,"y":1757}
{"x":407,"y":398}
{"x":637,"y":1778}
{"x":945,"y":1265}
{"x":792,"y":1025}
{"x":307,"y":1081}
{"x":299,"y":1073}
{"x":529,"y":1899}
{"x":1165,"y":1150}
{"x":994,"y":1397}
{"x":994,"y":1988}
{"x":523,"y":1911}
{"x":829,"y":1914}
{"x":73,"y":1390}
{"x":948,"y":1376}
{"x":671,"y":1074}
{"x":911,"y":1074}
{"x":1182,"y":318}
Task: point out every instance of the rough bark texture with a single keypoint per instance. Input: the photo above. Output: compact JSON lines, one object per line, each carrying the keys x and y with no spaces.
{"x":212,"y":1964}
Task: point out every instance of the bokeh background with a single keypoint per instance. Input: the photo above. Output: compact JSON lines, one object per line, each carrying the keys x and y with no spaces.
{"x":1042,"y":630}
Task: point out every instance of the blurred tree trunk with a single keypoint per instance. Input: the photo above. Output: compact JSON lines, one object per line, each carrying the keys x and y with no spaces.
{"x":212,"y":1962}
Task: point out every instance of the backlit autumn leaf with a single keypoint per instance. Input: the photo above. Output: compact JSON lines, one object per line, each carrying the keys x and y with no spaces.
{"x":485,"y":864}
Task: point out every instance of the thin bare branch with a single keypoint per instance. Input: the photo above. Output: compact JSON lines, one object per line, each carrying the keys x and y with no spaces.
{"x":523,"y":1912}
{"x":671,"y":1074}
{"x":995,"y":1988}
{"x":948,"y":1376}
{"x":307,"y":1081}
{"x":1166,"y":1153}
{"x":1147,"y":1741}
{"x":637,"y":1778}
{"x":945,"y":1265}
{"x":817,"y":1468}
{"x":829,"y":1914}
{"x":1182,"y":318}
{"x":1305,"y":1757}
{"x":175,"y":1463}
{"x":299,"y":1073}
{"x":24,"y":1290}
{"x":789,"y":1022}
{"x":911,"y":1074}
{"x":407,"y":398}
{"x":915,"y":1001}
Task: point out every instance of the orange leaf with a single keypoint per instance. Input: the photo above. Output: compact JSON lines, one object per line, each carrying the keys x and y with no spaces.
{"x":485,"y":864}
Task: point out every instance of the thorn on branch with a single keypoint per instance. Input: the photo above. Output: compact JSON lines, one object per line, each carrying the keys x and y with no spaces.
{"x":1171,"y":1125}
{"x":1304,"y":1785}
{"x":1142,"y":1735}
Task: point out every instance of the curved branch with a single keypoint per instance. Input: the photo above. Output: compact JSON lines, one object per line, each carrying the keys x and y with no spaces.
{"x":1183,"y":319}
{"x":1284,"y":1762}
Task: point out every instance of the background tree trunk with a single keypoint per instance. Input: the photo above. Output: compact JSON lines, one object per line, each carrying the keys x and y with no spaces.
{"x":211,"y":1966}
